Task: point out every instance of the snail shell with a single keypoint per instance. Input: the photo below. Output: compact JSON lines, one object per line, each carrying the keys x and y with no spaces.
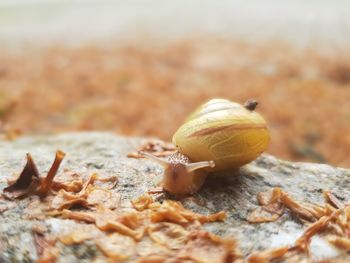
{"x":226,"y":132}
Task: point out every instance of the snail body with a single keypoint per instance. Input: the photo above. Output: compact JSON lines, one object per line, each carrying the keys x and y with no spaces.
{"x":219,"y":135}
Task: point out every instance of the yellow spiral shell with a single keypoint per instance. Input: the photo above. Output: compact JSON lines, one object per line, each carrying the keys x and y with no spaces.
{"x":223,"y":131}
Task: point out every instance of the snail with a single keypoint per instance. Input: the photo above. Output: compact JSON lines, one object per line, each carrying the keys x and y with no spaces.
{"x":219,"y":135}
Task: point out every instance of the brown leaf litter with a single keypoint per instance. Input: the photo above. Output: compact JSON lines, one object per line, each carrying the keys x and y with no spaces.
{"x":151,"y":231}
{"x":156,"y":147}
{"x":30,"y":182}
{"x":332,"y":220}
{"x":168,"y":225}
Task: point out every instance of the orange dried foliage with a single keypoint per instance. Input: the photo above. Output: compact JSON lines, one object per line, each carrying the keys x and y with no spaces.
{"x":271,"y":207}
{"x":332,"y":219}
{"x":207,"y":247}
{"x":331,"y":199}
{"x":46,"y":250}
{"x":156,"y":147}
{"x":29,"y":181}
{"x":268,"y":255}
{"x":142,"y":203}
{"x":172,"y":236}
{"x":116,"y":246}
{"x":76,"y":237}
{"x":172,"y":211}
{"x":340,"y":242}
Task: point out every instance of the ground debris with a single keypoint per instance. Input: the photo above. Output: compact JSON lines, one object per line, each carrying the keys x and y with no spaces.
{"x":45,"y":247}
{"x":332,"y":220}
{"x":156,"y":147}
{"x":30,"y":182}
{"x":149,"y":230}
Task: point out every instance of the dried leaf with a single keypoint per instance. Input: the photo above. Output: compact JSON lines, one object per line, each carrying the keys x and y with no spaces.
{"x":40,"y":242}
{"x":170,"y":235}
{"x":116,"y":246}
{"x":73,"y":186}
{"x":268,"y":255}
{"x":172,"y":211}
{"x":143,"y":202}
{"x":28,"y":176}
{"x":29,"y":180}
{"x":156,"y":147}
{"x":47,"y":182}
{"x":46,"y":251}
{"x":331,"y":199}
{"x":297,"y":208}
{"x":98,"y":196}
{"x":271,"y":209}
{"x":76,"y":237}
{"x":207,"y":247}
{"x":146,"y":248}
{"x":303,"y":242}
{"x":119,"y":227}
{"x":260,"y":215}
{"x":156,"y":258}
{"x":79,"y":216}
{"x":340,"y":242}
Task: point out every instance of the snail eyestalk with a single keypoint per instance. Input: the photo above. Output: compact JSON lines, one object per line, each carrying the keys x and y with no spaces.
{"x":195,"y":166}
{"x":156,"y":159}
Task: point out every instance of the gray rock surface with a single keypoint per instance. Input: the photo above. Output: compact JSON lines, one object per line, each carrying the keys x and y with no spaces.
{"x":105,"y":153}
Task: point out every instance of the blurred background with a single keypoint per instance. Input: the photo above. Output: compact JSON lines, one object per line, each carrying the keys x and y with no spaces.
{"x":138,"y":67}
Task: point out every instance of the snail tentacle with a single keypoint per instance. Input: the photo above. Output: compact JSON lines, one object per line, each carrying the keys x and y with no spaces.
{"x":198,"y":165}
{"x":158,"y":160}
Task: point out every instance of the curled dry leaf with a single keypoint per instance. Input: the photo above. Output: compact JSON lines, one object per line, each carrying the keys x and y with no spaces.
{"x":72,"y":186}
{"x":76,"y":237}
{"x":116,"y":246}
{"x":155,"y":147}
{"x":332,"y":200}
{"x":271,"y":207}
{"x":172,"y":211}
{"x":154,"y":258}
{"x":273,"y":204}
{"x":332,"y":218}
{"x":129,"y":224}
{"x":206,"y":247}
{"x":143,"y":202}
{"x":29,"y":180}
{"x":46,"y":250}
{"x":303,"y":242}
{"x":97,"y":196}
{"x":297,"y":208}
{"x":39,"y":240}
{"x":268,"y":255}
{"x":88,"y":196}
{"x":172,"y":236}
{"x":340,"y":242}
{"x":146,"y":249}
{"x":86,"y":217}
{"x":260,"y":215}
{"x":46,"y":183}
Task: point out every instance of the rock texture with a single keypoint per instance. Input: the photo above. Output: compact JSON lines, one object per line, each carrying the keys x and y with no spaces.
{"x":106,"y":153}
